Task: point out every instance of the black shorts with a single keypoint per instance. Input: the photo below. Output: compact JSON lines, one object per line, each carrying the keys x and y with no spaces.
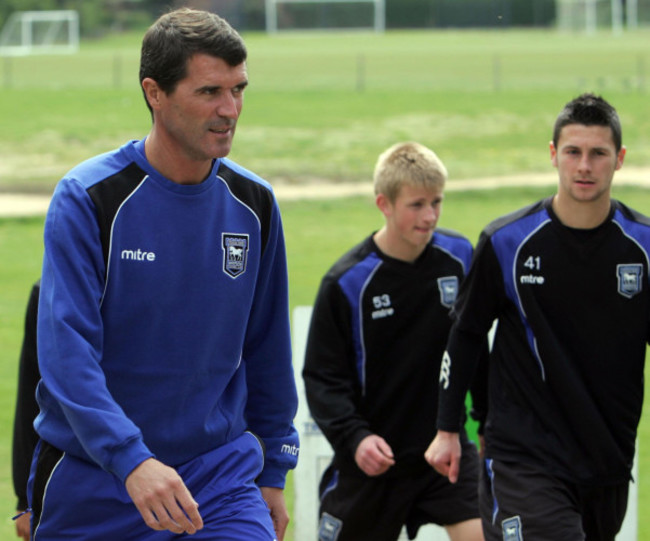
{"x":519,"y":502}
{"x":360,"y":508}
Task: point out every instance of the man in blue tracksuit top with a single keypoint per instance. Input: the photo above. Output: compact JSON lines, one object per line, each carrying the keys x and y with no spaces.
{"x":167,"y":394}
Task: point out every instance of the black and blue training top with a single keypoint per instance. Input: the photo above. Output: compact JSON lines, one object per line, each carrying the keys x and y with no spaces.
{"x":566,"y":370}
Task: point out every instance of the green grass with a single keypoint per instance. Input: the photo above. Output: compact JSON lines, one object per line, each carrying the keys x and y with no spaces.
{"x":322,"y":106}
{"x":317,"y":233}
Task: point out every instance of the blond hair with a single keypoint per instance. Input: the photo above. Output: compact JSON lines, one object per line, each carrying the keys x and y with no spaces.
{"x":408,"y":163}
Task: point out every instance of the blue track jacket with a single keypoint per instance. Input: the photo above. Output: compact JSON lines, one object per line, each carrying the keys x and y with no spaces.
{"x":163,"y":319}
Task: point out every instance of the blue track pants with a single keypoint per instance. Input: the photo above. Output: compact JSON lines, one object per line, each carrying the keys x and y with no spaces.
{"x":76,"y":500}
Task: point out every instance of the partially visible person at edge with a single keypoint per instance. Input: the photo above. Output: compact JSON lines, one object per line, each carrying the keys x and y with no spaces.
{"x":25,"y":437}
{"x":374,"y":349}
{"x":167,"y":395}
{"x":567,"y":279}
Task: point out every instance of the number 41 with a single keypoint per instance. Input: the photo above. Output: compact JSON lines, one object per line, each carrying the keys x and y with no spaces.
{"x":533,"y":262}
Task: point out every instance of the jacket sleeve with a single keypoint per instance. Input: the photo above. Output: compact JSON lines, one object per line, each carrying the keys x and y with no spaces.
{"x":479,"y":389}
{"x":77,"y":410}
{"x":272,"y":397}
{"x":25,"y":437}
{"x":331,"y":383}
{"x":465,"y":361}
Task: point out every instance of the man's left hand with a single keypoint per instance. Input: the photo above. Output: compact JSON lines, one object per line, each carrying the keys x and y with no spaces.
{"x":274,"y":498}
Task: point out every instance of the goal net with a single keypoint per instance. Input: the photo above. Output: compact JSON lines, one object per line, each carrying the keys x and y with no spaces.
{"x":591,"y":15}
{"x":40,"y":32}
{"x":283,"y":15}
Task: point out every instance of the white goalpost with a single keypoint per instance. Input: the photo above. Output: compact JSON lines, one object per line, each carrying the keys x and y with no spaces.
{"x":592,"y":14}
{"x":378,"y":22}
{"x":40,"y":32}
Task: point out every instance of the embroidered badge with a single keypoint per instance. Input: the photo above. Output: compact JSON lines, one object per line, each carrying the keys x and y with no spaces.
{"x":629,"y":279}
{"x":329,"y":528}
{"x":448,"y":286}
{"x":235,"y":253}
{"x":512,"y":529}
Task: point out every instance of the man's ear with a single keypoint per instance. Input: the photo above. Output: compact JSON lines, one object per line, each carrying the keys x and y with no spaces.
{"x":152,"y":92}
{"x":383,"y":204}
{"x":620,"y":157}
{"x":553,"y":150}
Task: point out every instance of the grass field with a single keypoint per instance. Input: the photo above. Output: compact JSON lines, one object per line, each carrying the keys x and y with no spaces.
{"x":485,"y":101}
{"x":321,"y":107}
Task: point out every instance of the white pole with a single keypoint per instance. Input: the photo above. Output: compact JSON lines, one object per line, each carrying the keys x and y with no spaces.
{"x":380,"y":15}
{"x":590,"y":16}
{"x":27,"y":32}
{"x":271,"y":17}
{"x":632,"y":15}
{"x":74,"y":30}
{"x":617,"y":17}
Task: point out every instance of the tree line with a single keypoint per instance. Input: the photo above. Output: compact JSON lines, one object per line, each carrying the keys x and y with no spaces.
{"x":101,"y":16}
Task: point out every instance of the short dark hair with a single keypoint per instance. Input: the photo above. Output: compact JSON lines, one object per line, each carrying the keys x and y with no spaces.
{"x":589,"y":110}
{"x":178,"y":35}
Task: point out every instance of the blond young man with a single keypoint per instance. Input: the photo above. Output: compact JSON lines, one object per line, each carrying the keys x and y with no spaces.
{"x":374,"y":350}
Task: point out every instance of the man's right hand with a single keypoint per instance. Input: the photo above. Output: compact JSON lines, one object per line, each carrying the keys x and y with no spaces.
{"x":23,"y":526}
{"x":444,"y":454}
{"x":162,"y":498}
{"x":373,"y":455}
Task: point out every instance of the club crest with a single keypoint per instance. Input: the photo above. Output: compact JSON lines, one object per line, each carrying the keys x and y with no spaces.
{"x":448,"y":287}
{"x":512,"y":529}
{"x":235,"y":253}
{"x":629,"y":279}
{"x":329,"y":528}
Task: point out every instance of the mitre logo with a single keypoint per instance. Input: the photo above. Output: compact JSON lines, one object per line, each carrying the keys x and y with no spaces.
{"x":137,"y":255}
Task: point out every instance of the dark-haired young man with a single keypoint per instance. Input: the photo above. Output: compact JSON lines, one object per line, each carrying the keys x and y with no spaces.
{"x":167,"y":395}
{"x":567,"y":279}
